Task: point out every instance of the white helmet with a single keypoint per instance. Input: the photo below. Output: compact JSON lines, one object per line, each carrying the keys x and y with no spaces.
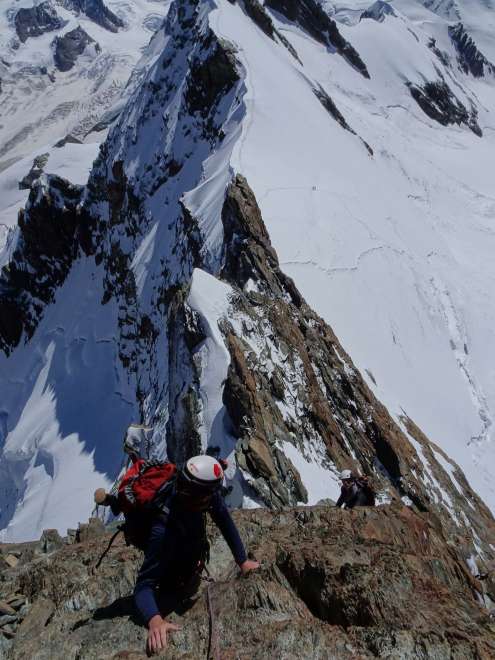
{"x":201,"y":473}
{"x":345,"y":474}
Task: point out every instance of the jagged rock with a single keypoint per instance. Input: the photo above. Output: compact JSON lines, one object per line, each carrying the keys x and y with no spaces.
{"x":54,"y":229}
{"x":11,"y":560}
{"x":258,"y":14}
{"x":36,"y":20}
{"x":71,"y":536}
{"x":87,"y":531}
{"x":437,"y":100}
{"x":313,"y":18}
{"x":331,"y":108}
{"x":441,"y":54}
{"x":68,"y":48}
{"x":35,"y":172}
{"x":333,"y":584}
{"x":68,"y":139}
{"x":378,"y":11}
{"x":470,"y":58}
{"x":96,"y":10}
{"x":16,"y":601}
{"x":6,"y":608}
{"x":34,"y":624}
{"x":210,"y":78}
{"x":50,"y":540}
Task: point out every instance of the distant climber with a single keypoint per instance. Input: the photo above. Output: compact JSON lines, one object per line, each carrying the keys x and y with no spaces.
{"x":355,"y":491}
{"x":172,"y":519}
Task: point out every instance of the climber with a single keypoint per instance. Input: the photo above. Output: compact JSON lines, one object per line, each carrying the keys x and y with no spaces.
{"x":355,"y":491}
{"x":177,"y":547}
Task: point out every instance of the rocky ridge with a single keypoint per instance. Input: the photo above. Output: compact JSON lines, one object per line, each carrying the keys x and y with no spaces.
{"x":289,"y":387}
{"x":332,"y":584}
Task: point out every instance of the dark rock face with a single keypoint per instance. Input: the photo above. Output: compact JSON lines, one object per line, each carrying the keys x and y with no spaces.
{"x":312,"y":18}
{"x":53,"y":231}
{"x":331,"y":108}
{"x":34,"y":21}
{"x":340,"y":584}
{"x":257,"y":13}
{"x":378,"y":11}
{"x":211,"y":77}
{"x":468,"y":55}
{"x":437,"y":100}
{"x":97,"y":11}
{"x":68,"y":48}
{"x":441,"y":54}
{"x":35,"y":172}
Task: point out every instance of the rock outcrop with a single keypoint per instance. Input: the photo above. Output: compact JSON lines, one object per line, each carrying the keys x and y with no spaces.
{"x":313,"y":18}
{"x":437,"y":100}
{"x":470,"y":59}
{"x":378,"y":11}
{"x":35,"y":172}
{"x":53,"y":230}
{"x":35,"y":21}
{"x":96,"y":10}
{"x":368,"y":583}
{"x":68,"y":48}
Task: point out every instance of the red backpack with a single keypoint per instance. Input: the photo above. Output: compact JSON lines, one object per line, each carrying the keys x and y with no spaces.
{"x":142,"y":482}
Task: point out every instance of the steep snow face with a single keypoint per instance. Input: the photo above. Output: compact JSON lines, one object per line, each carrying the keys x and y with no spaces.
{"x":379,"y":207}
{"x":40,"y":104}
{"x":393,"y":250}
{"x":57,"y":442}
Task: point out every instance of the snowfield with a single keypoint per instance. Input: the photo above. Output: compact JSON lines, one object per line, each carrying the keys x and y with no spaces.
{"x":394,"y":248}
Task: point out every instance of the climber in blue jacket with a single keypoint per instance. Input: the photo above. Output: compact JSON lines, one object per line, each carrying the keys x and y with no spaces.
{"x":177,"y":547}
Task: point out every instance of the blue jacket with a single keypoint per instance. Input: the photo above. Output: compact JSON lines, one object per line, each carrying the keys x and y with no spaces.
{"x":175,"y":543}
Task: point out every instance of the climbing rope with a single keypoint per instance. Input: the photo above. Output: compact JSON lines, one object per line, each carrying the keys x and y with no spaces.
{"x":213,"y":639}
{"x":105,"y":552}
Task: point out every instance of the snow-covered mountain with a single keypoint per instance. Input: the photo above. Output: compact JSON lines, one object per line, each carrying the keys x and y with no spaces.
{"x":275,"y":172}
{"x":64,"y":63}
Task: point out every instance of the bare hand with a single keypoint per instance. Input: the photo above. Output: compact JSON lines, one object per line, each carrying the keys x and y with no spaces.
{"x":248,"y":565}
{"x":158,"y":630}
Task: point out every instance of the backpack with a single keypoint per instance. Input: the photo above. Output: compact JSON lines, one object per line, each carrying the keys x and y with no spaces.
{"x":365,"y":487}
{"x":143,"y":483}
{"x":141,"y":497}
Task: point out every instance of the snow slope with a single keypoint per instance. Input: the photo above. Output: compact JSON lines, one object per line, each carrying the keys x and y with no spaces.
{"x":393,"y":251}
{"x":61,"y":443}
